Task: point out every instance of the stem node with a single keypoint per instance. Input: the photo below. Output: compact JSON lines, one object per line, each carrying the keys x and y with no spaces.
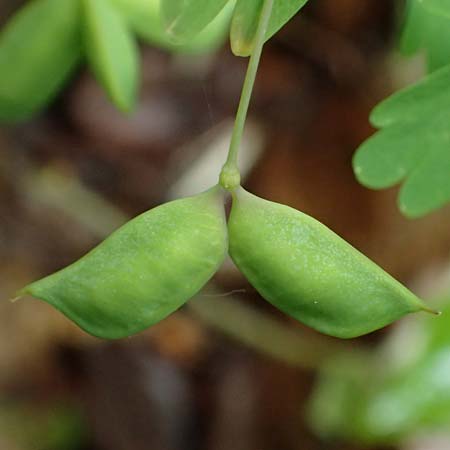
{"x":230,"y":178}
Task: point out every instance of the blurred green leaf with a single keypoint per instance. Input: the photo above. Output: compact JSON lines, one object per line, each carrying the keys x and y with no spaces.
{"x":414,"y":398}
{"x":438,"y":329}
{"x":413,"y":145}
{"x":184,"y":19}
{"x":144,"y":18}
{"x":386,"y":404}
{"x":411,"y":37}
{"x":437,"y":6}
{"x":246,"y":18}
{"x":437,"y":41}
{"x":39,"y":48}
{"x":50,"y":427}
{"x":339,"y":395}
{"x":425,"y":30}
{"x":415,"y":103}
{"x":111,"y":52}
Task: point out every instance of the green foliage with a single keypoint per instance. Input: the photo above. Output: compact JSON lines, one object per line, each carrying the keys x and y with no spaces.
{"x":184,"y":19}
{"x":370,"y":402}
{"x":437,"y":6}
{"x":111,"y":52}
{"x":412,"y":32}
{"x":340,"y":395}
{"x":428,"y":31}
{"x":245,"y":22}
{"x":143,"y":16}
{"x":144,"y":271}
{"x":51,"y":427}
{"x":310,"y":273}
{"x":436,"y":32}
{"x":63,"y":429}
{"x":39,"y":48}
{"x":413,"y":143}
{"x":44,"y":42}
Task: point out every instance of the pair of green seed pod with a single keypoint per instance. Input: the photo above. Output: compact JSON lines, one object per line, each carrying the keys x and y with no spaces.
{"x":156,"y":262}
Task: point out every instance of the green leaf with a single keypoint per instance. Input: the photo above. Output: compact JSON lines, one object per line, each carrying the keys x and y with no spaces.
{"x":413,"y":144}
{"x":39,"y":48}
{"x":424,"y":29}
{"x":415,"y":102}
{"x":411,"y":37}
{"x":184,"y":19}
{"x":386,"y":410}
{"x":111,"y":52}
{"x":144,"y":17}
{"x":386,"y":403}
{"x":246,"y":18}
{"x":340,"y":396}
{"x":414,"y":397}
{"x":428,"y":186}
{"x":437,"y":41}
{"x":388,"y":157}
{"x":437,"y":6}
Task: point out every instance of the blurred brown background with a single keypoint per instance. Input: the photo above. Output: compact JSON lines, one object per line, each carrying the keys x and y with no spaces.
{"x":196,"y":380}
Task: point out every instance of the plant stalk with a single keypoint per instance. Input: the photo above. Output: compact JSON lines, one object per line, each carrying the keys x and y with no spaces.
{"x":230,"y":176}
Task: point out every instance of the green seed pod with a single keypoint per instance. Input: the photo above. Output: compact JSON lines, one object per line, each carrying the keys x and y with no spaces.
{"x":310,"y":273}
{"x":144,"y":271}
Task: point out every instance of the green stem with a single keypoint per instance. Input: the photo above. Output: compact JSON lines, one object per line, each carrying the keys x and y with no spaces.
{"x":230,"y":176}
